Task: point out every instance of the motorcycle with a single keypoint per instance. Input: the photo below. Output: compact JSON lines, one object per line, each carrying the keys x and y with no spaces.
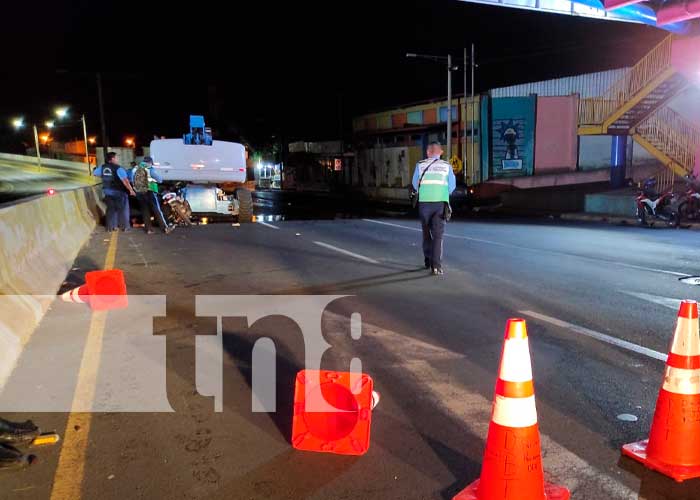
{"x":652,"y":206}
{"x":176,"y":208}
{"x":689,"y":207}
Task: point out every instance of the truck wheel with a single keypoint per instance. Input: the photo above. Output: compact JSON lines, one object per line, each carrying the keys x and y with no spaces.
{"x":245,"y":205}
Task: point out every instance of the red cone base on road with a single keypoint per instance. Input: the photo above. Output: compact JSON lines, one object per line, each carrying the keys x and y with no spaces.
{"x":551,"y":492}
{"x":680,"y":473}
{"x":344,"y":431}
{"x":107,"y":290}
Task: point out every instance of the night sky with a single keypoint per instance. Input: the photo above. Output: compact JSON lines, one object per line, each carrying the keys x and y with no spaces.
{"x":298,"y":70}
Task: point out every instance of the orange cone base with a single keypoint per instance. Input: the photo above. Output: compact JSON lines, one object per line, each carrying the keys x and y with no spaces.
{"x":551,"y":492}
{"x":638,"y":452}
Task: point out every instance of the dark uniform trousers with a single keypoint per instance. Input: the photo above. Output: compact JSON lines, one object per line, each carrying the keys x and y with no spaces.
{"x":431,"y":218}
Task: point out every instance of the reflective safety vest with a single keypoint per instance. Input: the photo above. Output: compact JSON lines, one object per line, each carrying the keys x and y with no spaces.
{"x":152,"y":183}
{"x":434,"y":186}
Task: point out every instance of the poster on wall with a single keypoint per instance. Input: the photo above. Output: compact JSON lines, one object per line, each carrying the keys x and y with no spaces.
{"x":510,"y":135}
{"x":509,"y":149}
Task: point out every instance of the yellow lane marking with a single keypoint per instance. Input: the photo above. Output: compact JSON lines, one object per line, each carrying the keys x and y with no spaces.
{"x":68,"y":480}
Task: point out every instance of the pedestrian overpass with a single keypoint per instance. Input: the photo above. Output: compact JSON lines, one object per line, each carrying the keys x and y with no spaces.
{"x":636,"y":105}
{"x":677,"y":16}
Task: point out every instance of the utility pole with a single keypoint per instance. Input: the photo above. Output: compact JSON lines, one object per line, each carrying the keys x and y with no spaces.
{"x":85,"y":138}
{"x":449,"y":107}
{"x":473,"y":65}
{"x":102,"y":115}
{"x":463,"y":116}
{"x":36,"y":144}
{"x":450,"y":69}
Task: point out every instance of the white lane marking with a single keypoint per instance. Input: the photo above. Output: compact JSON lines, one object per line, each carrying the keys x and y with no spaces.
{"x":472,"y":410}
{"x":598,"y":336}
{"x":266,"y":224}
{"x":390,"y":224}
{"x":642,"y":268}
{"x":136,"y":246}
{"x":674,"y":304}
{"x":346,"y":252}
{"x":539,"y":250}
{"x":418,"y":359}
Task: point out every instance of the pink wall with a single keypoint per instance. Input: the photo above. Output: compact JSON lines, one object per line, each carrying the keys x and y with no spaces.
{"x":556,"y":140}
{"x":685,"y":57}
{"x":696,"y":170}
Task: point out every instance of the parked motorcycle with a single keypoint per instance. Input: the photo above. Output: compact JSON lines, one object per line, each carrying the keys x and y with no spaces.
{"x":689,"y":206}
{"x":176,"y":208}
{"x":653,"y":207}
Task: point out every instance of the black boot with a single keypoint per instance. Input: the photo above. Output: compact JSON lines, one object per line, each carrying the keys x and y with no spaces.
{"x":428,"y":263}
{"x":17,"y":433}
{"x":10,"y":458}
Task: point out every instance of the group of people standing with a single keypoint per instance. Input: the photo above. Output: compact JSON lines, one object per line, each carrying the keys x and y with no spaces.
{"x":141,"y":182}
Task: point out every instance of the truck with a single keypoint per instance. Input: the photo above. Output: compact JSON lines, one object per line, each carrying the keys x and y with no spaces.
{"x":210,"y":174}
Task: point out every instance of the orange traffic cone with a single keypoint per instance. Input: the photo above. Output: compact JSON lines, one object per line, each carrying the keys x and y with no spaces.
{"x":79,"y":295}
{"x":673,"y":447}
{"x":102,"y":290}
{"x":333,"y":412}
{"x":512,"y":468}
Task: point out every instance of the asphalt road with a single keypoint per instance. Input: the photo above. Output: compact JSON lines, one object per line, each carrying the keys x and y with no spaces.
{"x":431,"y":344}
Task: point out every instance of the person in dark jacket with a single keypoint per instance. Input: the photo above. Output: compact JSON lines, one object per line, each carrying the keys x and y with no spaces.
{"x":145,"y":178}
{"x":116,"y":188}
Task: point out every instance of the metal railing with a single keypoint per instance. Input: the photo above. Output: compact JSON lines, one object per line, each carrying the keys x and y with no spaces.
{"x":673,"y":135}
{"x":665,"y":179}
{"x":594,"y":110}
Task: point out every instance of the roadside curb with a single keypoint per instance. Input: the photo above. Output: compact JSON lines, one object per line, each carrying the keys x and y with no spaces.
{"x":41,"y":238}
{"x":617,"y":220}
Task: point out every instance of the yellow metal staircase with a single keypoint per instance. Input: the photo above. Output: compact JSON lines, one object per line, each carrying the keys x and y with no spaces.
{"x":645,"y":88}
{"x":636,"y":105}
{"x":670,"y":138}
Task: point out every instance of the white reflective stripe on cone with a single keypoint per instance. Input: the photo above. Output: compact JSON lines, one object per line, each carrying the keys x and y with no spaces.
{"x":73,"y":296}
{"x":375,"y":399}
{"x":515,"y":362}
{"x":682,"y":381}
{"x":686,"y":341}
{"x":514,"y":412}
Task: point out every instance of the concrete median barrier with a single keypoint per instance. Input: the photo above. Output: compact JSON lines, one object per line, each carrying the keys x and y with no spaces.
{"x":40,"y":238}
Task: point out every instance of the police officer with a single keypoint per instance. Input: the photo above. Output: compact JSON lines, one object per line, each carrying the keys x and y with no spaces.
{"x":116,"y":188}
{"x":434,"y":181}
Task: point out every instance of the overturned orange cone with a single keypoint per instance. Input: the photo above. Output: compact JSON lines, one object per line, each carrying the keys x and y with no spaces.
{"x":103,"y":290}
{"x":512,"y":468}
{"x":673,"y":447}
{"x":78,"y":295}
{"x":333,"y":412}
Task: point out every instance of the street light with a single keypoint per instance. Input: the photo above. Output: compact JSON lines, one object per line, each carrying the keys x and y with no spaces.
{"x":450,"y":69}
{"x":49,"y":123}
{"x":61,"y":113}
{"x":18,"y":124}
{"x":129,"y":142}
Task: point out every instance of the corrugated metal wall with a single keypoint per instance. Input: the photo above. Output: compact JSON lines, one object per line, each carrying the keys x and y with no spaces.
{"x":588,"y":85}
